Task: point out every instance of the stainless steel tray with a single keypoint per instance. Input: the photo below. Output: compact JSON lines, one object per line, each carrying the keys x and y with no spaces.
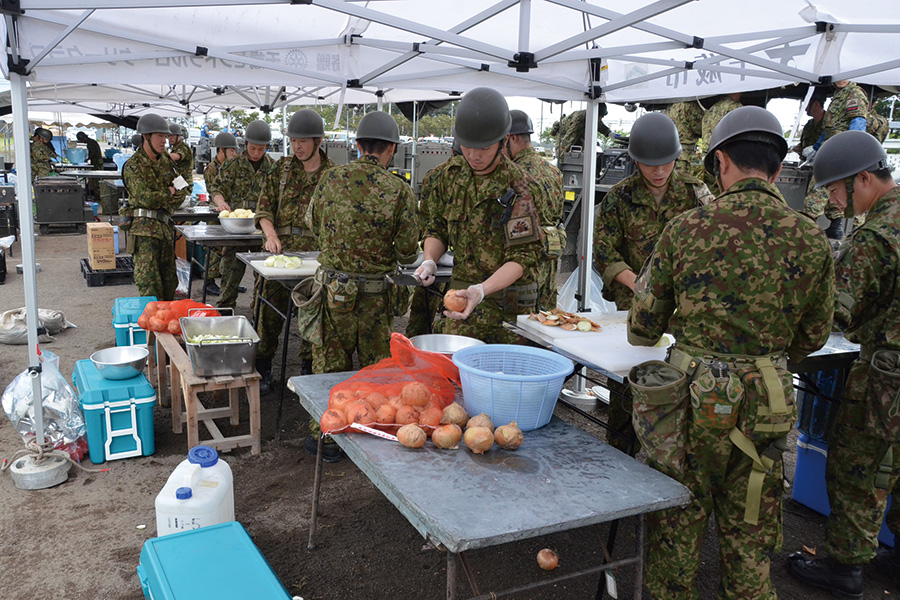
{"x":221,"y":358}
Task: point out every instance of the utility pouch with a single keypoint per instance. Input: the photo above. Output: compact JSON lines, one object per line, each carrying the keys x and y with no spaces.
{"x":554,"y":241}
{"x":129,"y":244}
{"x":768,"y":410}
{"x":660,"y":397}
{"x":883,"y":396}
{"x":309,"y":300}
{"x":716,"y":395}
{"x":342,"y":293}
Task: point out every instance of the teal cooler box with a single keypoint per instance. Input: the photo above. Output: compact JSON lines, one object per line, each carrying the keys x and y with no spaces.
{"x":809,"y":482}
{"x":125,"y":313}
{"x":218,"y":561}
{"x":118,"y":415}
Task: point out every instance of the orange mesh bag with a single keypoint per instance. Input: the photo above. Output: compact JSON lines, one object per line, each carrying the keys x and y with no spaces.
{"x":412,"y":386}
{"x":162,"y":316}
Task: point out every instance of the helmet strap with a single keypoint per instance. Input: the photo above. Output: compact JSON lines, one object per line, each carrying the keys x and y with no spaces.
{"x":153,"y":153}
{"x":493,"y":162}
{"x":848,"y":210}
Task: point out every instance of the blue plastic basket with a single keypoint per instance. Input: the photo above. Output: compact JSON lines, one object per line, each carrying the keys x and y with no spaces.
{"x":512,"y":383}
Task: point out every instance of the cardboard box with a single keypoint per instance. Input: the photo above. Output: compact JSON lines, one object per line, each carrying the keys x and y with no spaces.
{"x":101,"y":246}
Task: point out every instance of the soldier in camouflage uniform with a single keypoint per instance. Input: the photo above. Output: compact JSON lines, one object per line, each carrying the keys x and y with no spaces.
{"x":42,"y":154}
{"x":182,"y":157}
{"x":688,"y":118}
{"x":491,"y":220}
{"x":814,"y":127}
{"x":740,"y":282}
{"x":518,"y":147}
{"x":281,"y":214}
{"x":864,"y":458}
{"x":225,"y":145}
{"x":148,"y":177}
{"x":569,"y":131}
{"x":364,"y":219}
{"x":238,"y":185}
{"x":877,"y":125}
{"x":716,"y":113}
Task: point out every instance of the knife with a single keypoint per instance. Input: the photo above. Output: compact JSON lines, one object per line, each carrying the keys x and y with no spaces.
{"x":411,"y":281}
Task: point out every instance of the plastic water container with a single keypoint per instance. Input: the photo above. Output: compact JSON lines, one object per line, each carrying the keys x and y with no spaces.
{"x":199,"y":493}
{"x":120,"y":159}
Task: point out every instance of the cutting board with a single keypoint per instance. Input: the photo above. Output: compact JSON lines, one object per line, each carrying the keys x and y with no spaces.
{"x":308,"y":268}
{"x":551,"y":335}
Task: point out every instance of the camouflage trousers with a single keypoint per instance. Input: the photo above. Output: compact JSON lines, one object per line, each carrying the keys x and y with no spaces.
{"x":232,"y":272}
{"x":546,"y":280}
{"x":213,"y":265}
{"x":366,"y":330}
{"x":485,"y":324}
{"x":857,"y":506}
{"x":271,"y":324}
{"x":717,"y":473}
{"x":154,"y":267}
{"x":422,"y":309}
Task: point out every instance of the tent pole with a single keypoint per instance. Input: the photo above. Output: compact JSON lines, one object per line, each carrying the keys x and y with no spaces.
{"x":26,"y":225}
{"x":588,"y":191}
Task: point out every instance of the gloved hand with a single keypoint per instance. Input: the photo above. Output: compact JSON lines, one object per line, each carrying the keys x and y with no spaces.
{"x":808,"y":151}
{"x":476,"y":292}
{"x":426,"y":272}
{"x":473,"y":292}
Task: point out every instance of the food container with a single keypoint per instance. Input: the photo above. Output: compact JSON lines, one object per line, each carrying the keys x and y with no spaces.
{"x":239,"y":225}
{"x":442,"y":343}
{"x":232,"y":353}
{"x":121,"y":362}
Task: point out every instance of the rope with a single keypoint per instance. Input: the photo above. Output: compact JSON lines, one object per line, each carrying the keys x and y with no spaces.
{"x":42,"y":452}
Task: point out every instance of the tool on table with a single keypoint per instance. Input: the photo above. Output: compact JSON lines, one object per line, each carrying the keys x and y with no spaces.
{"x":411,"y":281}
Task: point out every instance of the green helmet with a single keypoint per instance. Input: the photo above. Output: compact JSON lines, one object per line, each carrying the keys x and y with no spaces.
{"x":378,"y":126}
{"x":306,"y":123}
{"x":520,"y":123}
{"x":258,"y":132}
{"x":654,"y":140}
{"x":152,"y":123}
{"x":225,"y":140}
{"x":175,"y":129}
{"x":845,"y":155}
{"x":750,"y":123}
{"x":137,"y":139}
{"x":43,"y":133}
{"x":482,"y":118}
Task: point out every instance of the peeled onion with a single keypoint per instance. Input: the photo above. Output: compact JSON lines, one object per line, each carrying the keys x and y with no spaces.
{"x":456,"y":414}
{"x":406,"y":415}
{"x":547,"y":559}
{"x":411,"y":436}
{"x":415,"y":394}
{"x":332,"y":420}
{"x":430,"y":417}
{"x":509,"y":437}
{"x":479,"y":439}
{"x":386,"y":414}
{"x":481,"y":420}
{"x":447,"y":436}
{"x":453,"y":301}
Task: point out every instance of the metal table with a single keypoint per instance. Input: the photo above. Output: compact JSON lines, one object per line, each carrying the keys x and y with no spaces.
{"x":93,"y":174}
{"x":213,"y":236}
{"x":561,"y":478}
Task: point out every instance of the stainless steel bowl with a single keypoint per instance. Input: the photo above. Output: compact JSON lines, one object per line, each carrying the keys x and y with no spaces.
{"x":238,"y":225}
{"x":121,"y":362}
{"x":443,"y":343}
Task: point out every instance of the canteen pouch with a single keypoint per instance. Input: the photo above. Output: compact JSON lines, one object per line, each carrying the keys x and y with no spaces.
{"x":342,"y":292}
{"x":660,"y":395}
{"x":554,"y":240}
{"x":883,"y":396}
{"x":715,"y":401}
{"x":309,"y":300}
{"x":762,"y":417}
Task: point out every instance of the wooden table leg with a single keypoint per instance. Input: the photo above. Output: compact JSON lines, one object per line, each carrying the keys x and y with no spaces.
{"x":253,"y":400}
{"x":177,"y":394}
{"x":235,"y":405}
{"x":192,"y":401}
{"x":162,"y":381}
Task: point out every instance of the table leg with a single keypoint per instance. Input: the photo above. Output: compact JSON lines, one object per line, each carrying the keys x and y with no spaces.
{"x":235,"y":405}
{"x":451,"y":575}
{"x":284,"y":351}
{"x":206,"y":253}
{"x":177,"y":396}
{"x":152,"y":375}
{"x":253,"y":401}
{"x":317,"y":484}
{"x":162,"y":377}
{"x":192,"y":400}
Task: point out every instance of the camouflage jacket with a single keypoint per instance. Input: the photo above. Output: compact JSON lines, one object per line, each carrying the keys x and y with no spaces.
{"x":239,"y":183}
{"x":428,"y":197}
{"x":285,"y":196}
{"x":185,"y":164}
{"x":811,"y":132}
{"x":95,"y":156}
{"x":688,"y":118}
{"x":209,"y":176}
{"x":571,"y":129}
{"x":42,"y":157}
{"x":550,"y":204}
{"x":742,"y":275}
{"x":847,"y":103}
{"x":712,"y":117}
{"x":470,"y":219}
{"x":878,"y":126}
{"x":629,"y":223}
{"x":868,"y":278}
{"x":364,"y":218}
{"x":148,"y":182}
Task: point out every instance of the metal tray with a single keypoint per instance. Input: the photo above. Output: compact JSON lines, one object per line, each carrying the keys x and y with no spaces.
{"x":221,"y":358}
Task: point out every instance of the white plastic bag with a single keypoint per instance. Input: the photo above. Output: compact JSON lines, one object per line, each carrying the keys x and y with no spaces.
{"x":183,"y":269}
{"x":14,"y":328}
{"x":566,"y":296}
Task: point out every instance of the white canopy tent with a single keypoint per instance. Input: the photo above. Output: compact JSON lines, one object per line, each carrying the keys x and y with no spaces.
{"x":556,"y":49}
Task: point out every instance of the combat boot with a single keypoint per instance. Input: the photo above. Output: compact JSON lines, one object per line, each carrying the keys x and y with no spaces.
{"x":264,"y":368}
{"x":888,"y":562}
{"x":835,"y":231}
{"x":842,"y":581}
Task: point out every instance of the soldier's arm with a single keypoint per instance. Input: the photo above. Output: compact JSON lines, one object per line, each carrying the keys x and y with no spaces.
{"x":815,"y":323}
{"x":406,"y":233}
{"x":224,"y":182}
{"x":654,"y":296}
{"x":864,"y":275}
{"x":434,"y":223}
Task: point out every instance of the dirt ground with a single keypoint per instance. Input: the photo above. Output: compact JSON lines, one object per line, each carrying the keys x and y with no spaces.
{"x":82,"y":539}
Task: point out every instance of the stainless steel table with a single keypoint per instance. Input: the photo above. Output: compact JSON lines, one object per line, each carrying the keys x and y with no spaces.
{"x":213,"y":236}
{"x":561,"y":478}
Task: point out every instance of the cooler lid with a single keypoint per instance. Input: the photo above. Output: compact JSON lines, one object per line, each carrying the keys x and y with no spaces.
{"x":127,"y":310}
{"x":95,"y":390}
{"x":205,"y":456}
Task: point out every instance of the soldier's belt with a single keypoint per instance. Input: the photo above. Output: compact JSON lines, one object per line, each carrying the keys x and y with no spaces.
{"x":368,"y":283}
{"x":159,"y":215}
{"x":688,"y":359}
{"x":298,"y":231}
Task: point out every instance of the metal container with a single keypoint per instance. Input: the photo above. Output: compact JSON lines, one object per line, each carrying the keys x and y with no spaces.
{"x":442,"y":343}
{"x":237,"y":225}
{"x":121,"y":362}
{"x":236,"y":356}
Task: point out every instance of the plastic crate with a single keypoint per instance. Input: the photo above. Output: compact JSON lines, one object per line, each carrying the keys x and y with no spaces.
{"x":809,"y":481}
{"x":512,"y":383}
{"x":123,"y":274}
{"x":118,"y":415}
{"x":218,"y":561}
{"x":125,"y":313}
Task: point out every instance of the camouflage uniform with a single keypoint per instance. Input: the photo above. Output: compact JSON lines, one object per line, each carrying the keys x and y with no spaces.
{"x":239,"y":181}
{"x":283,"y":200}
{"x":470,"y":224}
{"x":95,"y":156}
{"x":364,"y":219}
{"x":184,"y":167}
{"x":42,"y":156}
{"x":816,"y":202}
{"x":878,"y":126}
{"x":551,"y":213}
{"x":744,"y":275}
{"x":209,"y":177}
{"x":712,"y":117}
{"x":148,"y":183}
{"x":868,"y":276}
{"x":570,"y":129}
{"x":811,"y":132}
{"x":688,"y":118}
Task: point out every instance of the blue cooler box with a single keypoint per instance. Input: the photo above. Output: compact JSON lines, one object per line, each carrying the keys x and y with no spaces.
{"x":218,"y":561}
{"x":125,"y":313}
{"x":118,"y":415}
{"x":809,"y":482}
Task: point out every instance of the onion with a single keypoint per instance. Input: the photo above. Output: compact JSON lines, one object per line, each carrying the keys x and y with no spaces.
{"x":481,"y":420}
{"x":509,"y":437}
{"x":447,"y":436}
{"x":415,"y":394}
{"x":385,"y":414}
{"x":430,"y":417}
{"x":332,"y":420}
{"x":453,"y":301}
{"x":406,"y":415}
{"x":547,"y":559}
{"x":360,"y":412}
{"x":479,"y":439}
{"x":411,"y":436}
{"x":341,"y":398}
{"x":376,"y":399}
{"x":455,"y":414}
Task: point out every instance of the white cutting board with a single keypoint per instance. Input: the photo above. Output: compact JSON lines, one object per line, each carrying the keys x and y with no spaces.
{"x":611,"y":351}
{"x":308,"y":268}
{"x":551,"y":335}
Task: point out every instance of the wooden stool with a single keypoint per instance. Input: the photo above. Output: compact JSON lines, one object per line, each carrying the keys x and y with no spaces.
{"x":185,"y":384}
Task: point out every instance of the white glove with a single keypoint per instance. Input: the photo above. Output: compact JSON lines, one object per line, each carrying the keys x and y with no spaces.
{"x":807,"y":151}
{"x":425,"y":272}
{"x":479,"y":293}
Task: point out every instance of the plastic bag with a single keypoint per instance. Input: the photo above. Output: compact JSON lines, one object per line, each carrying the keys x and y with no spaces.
{"x":183,"y":269}
{"x":411,"y":380}
{"x":14,"y":326}
{"x":566,"y":297}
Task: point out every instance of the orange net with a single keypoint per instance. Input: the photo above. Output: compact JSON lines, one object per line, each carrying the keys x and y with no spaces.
{"x":412,"y":386}
{"x":162,"y":316}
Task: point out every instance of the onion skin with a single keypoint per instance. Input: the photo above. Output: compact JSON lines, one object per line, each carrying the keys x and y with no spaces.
{"x":332,"y":420}
{"x":376,"y":399}
{"x":481,"y":420}
{"x":509,"y":437}
{"x":479,"y":439}
{"x":360,"y":412}
{"x":547,"y":559}
{"x":411,"y":436}
{"x":406,"y":415}
{"x":456,"y":414}
{"x":341,"y":398}
{"x":447,"y":436}
{"x":415,"y":394}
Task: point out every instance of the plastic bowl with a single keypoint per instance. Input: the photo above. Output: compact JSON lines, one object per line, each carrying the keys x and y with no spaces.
{"x":121,"y":362}
{"x":240,"y":225}
{"x":443,"y":343}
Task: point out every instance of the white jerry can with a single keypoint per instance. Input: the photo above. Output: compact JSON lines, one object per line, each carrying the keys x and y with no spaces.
{"x":199,"y":492}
